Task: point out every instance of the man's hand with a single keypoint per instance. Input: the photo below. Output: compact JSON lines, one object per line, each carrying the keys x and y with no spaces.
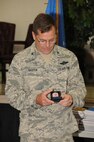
{"x":67,"y":100}
{"x":42,"y":99}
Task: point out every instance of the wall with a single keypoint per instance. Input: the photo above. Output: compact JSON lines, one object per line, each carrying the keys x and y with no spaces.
{"x":21,"y":12}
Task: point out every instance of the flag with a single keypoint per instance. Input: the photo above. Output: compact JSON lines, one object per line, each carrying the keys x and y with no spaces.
{"x":55,"y":9}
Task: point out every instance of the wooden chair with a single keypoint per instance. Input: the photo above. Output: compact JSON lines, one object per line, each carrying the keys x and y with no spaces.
{"x":7,"y":34}
{"x":29,"y":38}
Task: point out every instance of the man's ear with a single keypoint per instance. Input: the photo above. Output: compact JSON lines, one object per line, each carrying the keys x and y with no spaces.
{"x":33,"y":34}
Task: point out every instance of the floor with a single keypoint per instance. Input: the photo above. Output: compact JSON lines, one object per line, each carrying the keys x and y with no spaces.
{"x":90,"y":95}
{"x":2,"y":89}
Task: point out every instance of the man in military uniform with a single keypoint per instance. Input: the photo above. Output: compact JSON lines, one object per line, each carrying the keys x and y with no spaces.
{"x":34,"y":74}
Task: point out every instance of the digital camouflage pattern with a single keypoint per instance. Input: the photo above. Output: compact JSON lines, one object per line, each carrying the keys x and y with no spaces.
{"x":28,"y":76}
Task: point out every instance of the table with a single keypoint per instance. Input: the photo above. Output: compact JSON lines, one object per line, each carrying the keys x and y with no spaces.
{"x":9,"y":121}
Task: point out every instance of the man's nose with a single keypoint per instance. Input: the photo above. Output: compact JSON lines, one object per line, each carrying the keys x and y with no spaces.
{"x":47,"y":43}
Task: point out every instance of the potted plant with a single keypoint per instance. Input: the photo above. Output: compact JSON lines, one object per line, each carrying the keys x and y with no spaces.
{"x":79,"y":26}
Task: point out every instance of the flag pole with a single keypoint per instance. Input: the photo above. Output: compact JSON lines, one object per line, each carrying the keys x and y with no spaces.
{"x":57,"y":20}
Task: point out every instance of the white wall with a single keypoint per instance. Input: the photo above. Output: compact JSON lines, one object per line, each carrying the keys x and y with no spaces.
{"x":21,"y":12}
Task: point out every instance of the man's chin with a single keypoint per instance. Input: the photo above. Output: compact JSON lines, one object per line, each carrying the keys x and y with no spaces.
{"x":46,"y":52}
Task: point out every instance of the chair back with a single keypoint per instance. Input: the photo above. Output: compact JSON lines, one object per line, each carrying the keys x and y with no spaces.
{"x":29,"y":38}
{"x":7,"y":34}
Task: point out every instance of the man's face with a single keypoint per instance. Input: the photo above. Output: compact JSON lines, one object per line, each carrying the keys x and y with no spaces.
{"x":45,"y":41}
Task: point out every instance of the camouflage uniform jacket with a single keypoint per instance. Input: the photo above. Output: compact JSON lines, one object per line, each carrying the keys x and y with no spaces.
{"x":29,"y":75}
